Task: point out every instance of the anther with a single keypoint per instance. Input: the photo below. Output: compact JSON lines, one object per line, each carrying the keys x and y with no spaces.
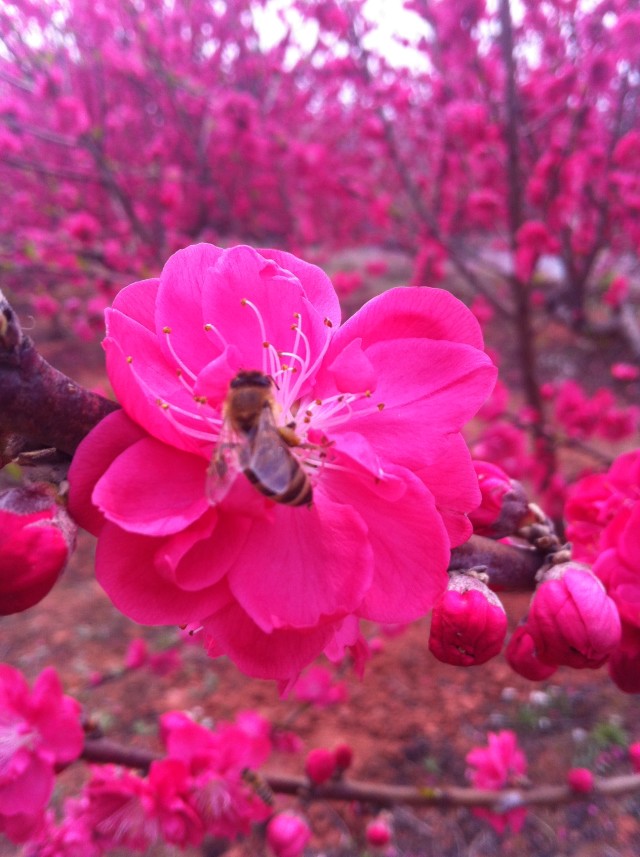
{"x":243,"y":301}
{"x":328,"y":322}
{"x":368,"y":394}
{"x":166,"y":330}
{"x":265,"y":344}
{"x":381,"y":406}
{"x":208,"y":327}
{"x":294,"y":327}
{"x":318,"y":401}
{"x":129,"y":359}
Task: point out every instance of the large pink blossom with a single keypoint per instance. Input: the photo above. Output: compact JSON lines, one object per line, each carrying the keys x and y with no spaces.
{"x":376,"y":404}
{"x":39,"y":729}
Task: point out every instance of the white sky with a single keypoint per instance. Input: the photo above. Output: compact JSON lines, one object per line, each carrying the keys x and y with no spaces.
{"x":389,"y":16}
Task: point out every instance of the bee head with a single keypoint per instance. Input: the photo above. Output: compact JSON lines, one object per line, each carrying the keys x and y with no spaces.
{"x":250,"y":378}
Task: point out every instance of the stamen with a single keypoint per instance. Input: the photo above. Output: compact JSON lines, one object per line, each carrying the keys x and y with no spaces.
{"x":190,"y":432}
{"x":183,"y":367}
{"x":210,"y":328}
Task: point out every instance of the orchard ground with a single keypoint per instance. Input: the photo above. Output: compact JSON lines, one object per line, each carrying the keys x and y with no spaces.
{"x":411,"y":721}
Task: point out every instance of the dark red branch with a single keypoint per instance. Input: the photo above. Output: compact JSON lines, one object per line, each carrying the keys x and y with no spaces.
{"x":39,"y":406}
{"x":509,"y":568}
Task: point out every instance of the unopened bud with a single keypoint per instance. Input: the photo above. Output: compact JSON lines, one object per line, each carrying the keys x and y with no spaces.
{"x":320,"y":765}
{"x":580,"y":780}
{"x":288,"y":834}
{"x":378,"y":832}
{"x":468,"y":624}
{"x":504,"y":503}
{"x":572,"y":620}
{"x":523,"y":659}
{"x":36,"y":539}
{"x":343,"y":755}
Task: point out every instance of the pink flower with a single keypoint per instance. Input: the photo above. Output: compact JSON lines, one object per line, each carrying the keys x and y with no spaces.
{"x":117,"y":806}
{"x":288,"y":834}
{"x":375,"y":407}
{"x":36,"y":537}
{"x":598,"y":506}
{"x":572,"y":621}
{"x":39,"y":729}
{"x":214,"y":763}
{"x":522,"y":657}
{"x":468,"y":624}
{"x":504,"y":502}
{"x":500,"y":765}
{"x":634,"y":755}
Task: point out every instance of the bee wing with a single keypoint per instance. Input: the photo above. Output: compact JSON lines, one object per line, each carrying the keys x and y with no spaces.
{"x":268,"y":459}
{"x":224,"y":467}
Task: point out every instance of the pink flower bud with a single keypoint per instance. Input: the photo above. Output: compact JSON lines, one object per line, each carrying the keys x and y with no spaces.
{"x":504,"y":502}
{"x":468,"y":624}
{"x":580,"y":780}
{"x":522,"y":657}
{"x":572,"y":620}
{"x":36,"y":537}
{"x":343,"y":755}
{"x":320,"y":765}
{"x":634,"y":755}
{"x":625,"y":372}
{"x":137,"y":654}
{"x":378,"y":832}
{"x":288,"y":834}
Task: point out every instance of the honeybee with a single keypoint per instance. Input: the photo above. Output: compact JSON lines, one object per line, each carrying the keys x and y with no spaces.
{"x":258,"y":785}
{"x":252,"y":442}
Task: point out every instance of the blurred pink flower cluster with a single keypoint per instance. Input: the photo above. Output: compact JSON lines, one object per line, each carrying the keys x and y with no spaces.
{"x":39,"y":731}
{"x":196,"y":789}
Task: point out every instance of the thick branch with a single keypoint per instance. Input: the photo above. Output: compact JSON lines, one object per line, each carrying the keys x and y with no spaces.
{"x":39,"y":406}
{"x":509,"y":568}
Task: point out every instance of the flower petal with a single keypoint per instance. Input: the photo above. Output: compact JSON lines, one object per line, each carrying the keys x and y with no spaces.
{"x":282,"y":654}
{"x":184,"y":281}
{"x":143,"y":382}
{"x":100,"y":447}
{"x":126,"y":570}
{"x":410,"y":546}
{"x":153,"y":489}
{"x":252,"y":302}
{"x":410,"y":313}
{"x":293,"y":570}
{"x":317,"y":286}
{"x":138,"y":302}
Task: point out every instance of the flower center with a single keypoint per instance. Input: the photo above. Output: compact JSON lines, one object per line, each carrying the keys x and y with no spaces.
{"x":306,"y":422}
{"x":15,"y":735}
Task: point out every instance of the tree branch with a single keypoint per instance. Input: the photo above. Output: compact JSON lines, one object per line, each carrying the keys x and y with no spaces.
{"x":39,"y":406}
{"x":102,"y":751}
